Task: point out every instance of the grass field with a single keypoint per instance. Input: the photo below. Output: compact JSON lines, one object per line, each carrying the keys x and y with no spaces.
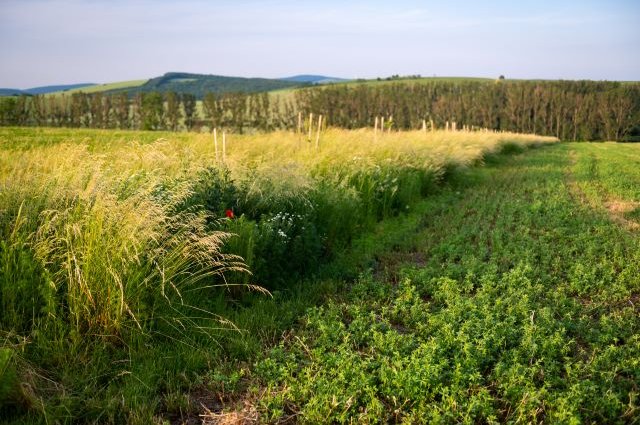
{"x":286,"y":94}
{"x":103,"y":87}
{"x":420,"y":80}
{"x":451,"y":277}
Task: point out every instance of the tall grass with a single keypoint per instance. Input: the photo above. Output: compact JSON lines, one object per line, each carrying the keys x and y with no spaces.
{"x":98,"y":223}
{"x":98,"y":246}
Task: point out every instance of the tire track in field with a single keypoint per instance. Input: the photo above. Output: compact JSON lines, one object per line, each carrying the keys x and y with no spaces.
{"x":616,"y":208}
{"x":575,"y":191}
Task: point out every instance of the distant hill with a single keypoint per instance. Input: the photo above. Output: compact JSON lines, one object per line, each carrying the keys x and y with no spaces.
{"x":416,"y":79}
{"x":96,"y":88}
{"x":199,"y":84}
{"x":51,"y":89}
{"x":11,"y":92}
{"x":43,"y":89}
{"x":179,"y":82}
{"x":314,"y":79}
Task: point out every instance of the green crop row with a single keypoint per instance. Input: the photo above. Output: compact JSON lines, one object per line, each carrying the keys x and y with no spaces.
{"x":514,"y":302}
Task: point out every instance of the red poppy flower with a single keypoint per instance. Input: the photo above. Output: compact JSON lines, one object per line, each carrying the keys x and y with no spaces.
{"x":229,"y":213}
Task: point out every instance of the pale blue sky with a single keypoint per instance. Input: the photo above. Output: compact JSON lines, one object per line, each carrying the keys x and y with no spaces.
{"x":68,"y":41}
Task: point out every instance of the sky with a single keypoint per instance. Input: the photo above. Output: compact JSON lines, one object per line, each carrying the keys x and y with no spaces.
{"x":45,"y":42}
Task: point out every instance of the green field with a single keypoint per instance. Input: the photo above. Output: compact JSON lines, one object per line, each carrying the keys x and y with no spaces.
{"x":512,"y":297}
{"x":120,"y":85}
{"x":412,"y":277}
{"x":286,"y":93}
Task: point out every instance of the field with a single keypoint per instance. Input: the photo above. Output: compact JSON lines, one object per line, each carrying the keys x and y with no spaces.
{"x":513,"y":297}
{"x":104,"y":87}
{"x":440,"y":276}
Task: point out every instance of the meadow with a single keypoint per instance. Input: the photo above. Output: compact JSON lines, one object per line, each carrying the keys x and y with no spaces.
{"x":347,"y":277}
{"x":120,"y":85}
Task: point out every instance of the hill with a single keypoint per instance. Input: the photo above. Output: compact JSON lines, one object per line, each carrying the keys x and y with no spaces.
{"x":11,"y":92}
{"x":179,"y":82}
{"x":314,"y":79}
{"x":43,"y":89}
{"x":96,"y":88}
{"x":415,"y":79}
{"x":57,"y":88}
{"x":199,"y":84}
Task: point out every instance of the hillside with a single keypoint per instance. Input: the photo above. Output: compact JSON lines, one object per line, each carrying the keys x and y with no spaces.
{"x":43,"y":89}
{"x":199,"y":84}
{"x":108,"y":87}
{"x":314,"y":79}
{"x":11,"y":92}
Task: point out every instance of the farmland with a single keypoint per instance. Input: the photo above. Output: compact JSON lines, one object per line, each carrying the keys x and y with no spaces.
{"x":120,"y":85}
{"x":350,"y":276}
{"x":512,"y":298}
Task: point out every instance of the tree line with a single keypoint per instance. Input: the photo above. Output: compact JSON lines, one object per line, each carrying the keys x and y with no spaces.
{"x":570,"y":110}
{"x":149,"y":111}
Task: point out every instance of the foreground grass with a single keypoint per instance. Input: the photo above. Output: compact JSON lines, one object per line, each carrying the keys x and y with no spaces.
{"x":516,"y":300}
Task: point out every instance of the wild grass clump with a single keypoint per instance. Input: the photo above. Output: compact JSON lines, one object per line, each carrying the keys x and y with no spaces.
{"x":92,"y":256}
{"x":112,"y":249}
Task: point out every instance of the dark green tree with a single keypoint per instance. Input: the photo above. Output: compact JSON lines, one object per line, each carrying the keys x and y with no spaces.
{"x":172,"y":111}
{"x":8,"y":107}
{"x":151,"y":112}
{"x":189,"y":108}
{"x":121,"y":107}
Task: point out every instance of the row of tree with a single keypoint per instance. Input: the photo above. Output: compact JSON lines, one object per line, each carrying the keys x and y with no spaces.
{"x":570,"y":110}
{"x":149,"y":111}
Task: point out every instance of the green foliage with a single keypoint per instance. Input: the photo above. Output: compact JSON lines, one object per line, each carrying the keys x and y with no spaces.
{"x":8,"y":106}
{"x":8,"y":378}
{"x":523,"y":309}
{"x":214,"y":189}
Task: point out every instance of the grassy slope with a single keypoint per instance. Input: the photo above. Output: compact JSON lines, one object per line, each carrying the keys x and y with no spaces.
{"x":103,"y":87}
{"x":513,"y":298}
{"x":423,"y":80}
{"x":287,"y":94}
